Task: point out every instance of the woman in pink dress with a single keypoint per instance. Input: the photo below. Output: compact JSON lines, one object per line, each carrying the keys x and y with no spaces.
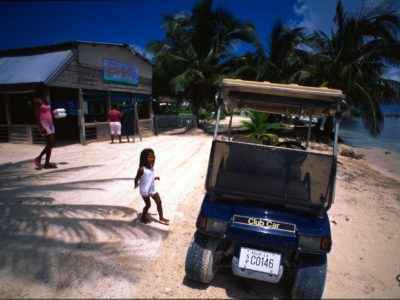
{"x":44,"y":119}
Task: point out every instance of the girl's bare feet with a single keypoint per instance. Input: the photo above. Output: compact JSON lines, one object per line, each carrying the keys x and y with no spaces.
{"x":145,"y":220}
{"x":165,"y":221}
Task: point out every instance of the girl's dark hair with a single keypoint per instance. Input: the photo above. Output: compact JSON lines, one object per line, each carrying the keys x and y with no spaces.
{"x":143,"y":157}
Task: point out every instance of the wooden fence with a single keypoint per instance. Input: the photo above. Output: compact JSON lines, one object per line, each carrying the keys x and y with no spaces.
{"x":166,"y":122}
{"x":21,"y":134}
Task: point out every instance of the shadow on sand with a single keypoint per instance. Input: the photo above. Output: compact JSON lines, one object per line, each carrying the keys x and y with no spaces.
{"x":58,"y":245}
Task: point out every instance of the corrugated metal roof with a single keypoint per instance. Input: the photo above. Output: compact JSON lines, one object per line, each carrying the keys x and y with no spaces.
{"x":67,"y":45}
{"x":34,"y":68}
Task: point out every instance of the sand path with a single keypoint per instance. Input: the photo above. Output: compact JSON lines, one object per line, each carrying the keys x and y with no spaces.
{"x":74,"y":232}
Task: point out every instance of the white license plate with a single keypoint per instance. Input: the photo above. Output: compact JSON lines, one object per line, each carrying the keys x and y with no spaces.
{"x":262,"y":261}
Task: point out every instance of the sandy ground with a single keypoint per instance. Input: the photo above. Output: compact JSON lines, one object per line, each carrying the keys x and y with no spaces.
{"x":74,"y":232}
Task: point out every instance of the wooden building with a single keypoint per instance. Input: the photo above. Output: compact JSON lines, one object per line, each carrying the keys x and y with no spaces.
{"x":84,"y":78}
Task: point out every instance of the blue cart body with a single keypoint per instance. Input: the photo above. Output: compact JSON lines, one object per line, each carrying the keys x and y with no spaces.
{"x":265,"y":210}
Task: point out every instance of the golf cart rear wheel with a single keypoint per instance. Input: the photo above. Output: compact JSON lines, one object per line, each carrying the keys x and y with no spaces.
{"x":309,"y":282}
{"x":200,"y":258}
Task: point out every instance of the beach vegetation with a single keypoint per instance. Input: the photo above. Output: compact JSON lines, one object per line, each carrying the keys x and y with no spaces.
{"x":355,"y":58}
{"x":208,"y":113}
{"x":190,"y":61}
{"x":260,"y":128}
{"x":197,"y":52}
{"x":281,"y":61}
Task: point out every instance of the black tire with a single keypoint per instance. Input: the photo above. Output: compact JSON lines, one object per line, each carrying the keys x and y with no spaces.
{"x":200,"y":258}
{"x":309,"y":282}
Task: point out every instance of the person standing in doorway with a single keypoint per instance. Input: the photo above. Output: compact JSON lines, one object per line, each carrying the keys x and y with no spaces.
{"x":42,"y":110}
{"x":114,"y":117}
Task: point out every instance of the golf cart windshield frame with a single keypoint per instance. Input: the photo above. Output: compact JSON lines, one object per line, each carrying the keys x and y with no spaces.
{"x":244,"y":171}
{"x":297,"y":100}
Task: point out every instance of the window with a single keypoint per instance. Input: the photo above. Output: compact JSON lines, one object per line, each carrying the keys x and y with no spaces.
{"x":94,"y":108}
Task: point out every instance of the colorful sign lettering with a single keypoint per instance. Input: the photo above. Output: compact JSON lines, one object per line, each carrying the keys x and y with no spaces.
{"x":119,"y":72}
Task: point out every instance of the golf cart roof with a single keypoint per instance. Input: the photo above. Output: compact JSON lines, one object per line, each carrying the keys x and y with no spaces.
{"x":278,"y":98}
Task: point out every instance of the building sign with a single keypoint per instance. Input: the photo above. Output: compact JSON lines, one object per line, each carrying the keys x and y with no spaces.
{"x":118,"y":72}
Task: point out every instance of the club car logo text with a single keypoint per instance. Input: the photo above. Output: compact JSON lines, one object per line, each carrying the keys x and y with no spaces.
{"x":267,"y":223}
{"x":264,"y":223}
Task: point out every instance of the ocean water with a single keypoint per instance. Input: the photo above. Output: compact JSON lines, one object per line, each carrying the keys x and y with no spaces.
{"x":354,"y":134}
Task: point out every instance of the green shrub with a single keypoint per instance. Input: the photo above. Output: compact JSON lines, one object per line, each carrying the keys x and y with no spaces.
{"x":266,"y":138}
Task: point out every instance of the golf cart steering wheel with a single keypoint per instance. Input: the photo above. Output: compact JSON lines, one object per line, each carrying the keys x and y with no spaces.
{"x":291,"y":144}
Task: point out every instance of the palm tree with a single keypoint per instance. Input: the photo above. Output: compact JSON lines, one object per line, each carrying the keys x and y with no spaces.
{"x":355,"y":57}
{"x":191,"y":60}
{"x":258,"y":127}
{"x":283,"y":61}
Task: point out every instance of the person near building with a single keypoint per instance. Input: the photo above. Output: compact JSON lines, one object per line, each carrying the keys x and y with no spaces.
{"x":114,"y":116}
{"x":42,"y":110}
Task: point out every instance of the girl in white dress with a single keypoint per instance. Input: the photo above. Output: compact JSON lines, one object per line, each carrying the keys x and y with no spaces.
{"x":145,"y":177}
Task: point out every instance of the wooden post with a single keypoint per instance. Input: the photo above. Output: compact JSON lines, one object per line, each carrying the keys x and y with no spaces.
{"x":230,"y":126}
{"x":48,"y":99}
{"x":137,"y":121}
{"x":133,"y":102}
{"x":151,"y":114}
{"x":29,"y":134}
{"x":81,"y":119}
{"x":81,"y":125}
{"x":8,"y":110}
{"x":309,"y":130}
{"x":155,"y":125}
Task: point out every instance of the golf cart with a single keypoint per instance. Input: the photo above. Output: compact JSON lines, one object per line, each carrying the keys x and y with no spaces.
{"x":265,"y":208}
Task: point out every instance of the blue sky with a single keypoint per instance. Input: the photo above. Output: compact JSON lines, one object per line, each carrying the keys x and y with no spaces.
{"x":137,"y":22}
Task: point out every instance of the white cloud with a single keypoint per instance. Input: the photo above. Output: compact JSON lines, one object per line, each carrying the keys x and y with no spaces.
{"x":393,"y":73}
{"x":314,"y":14}
{"x":319,"y":14}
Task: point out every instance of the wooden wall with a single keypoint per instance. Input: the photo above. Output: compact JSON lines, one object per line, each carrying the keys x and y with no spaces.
{"x":85,"y":71}
{"x":88,"y":77}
